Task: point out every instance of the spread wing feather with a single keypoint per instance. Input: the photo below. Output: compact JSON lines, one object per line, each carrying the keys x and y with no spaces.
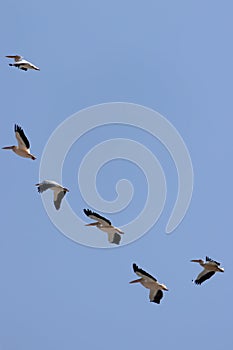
{"x":211,"y":260}
{"x":21,"y":137}
{"x":45,"y":185}
{"x":142,"y":273}
{"x":203,"y":276}
{"x":114,"y":238}
{"x":58,"y":196}
{"x":96,"y":216}
{"x":158,"y":296}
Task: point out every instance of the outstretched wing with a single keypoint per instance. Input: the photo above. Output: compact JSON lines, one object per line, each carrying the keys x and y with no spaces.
{"x":45,"y":185}
{"x":96,"y":216}
{"x":156,"y":295}
{"x":213,"y":261}
{"x":23,"y":142}
{"x":114,"y":237}
{"x":142,"y":273}
{"x":203,"y":276}
{"x":58,"y":196}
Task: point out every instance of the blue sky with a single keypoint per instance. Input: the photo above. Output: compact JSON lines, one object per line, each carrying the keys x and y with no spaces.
{"x":173,"y":57}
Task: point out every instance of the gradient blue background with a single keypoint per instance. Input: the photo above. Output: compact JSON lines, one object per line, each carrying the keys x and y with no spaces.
{"x":175,"y":57}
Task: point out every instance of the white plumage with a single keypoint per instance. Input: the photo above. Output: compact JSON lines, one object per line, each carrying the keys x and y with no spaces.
{"x":21,"y":63}
{"x":104,"y":225}
{"x":23,"y":148}
{"x":59,"y":191}
{"x":150,"y":282}
{"x":210,"y":267}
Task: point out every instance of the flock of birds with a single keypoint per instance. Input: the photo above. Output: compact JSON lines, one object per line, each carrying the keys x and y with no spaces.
{"x":210,"y":267}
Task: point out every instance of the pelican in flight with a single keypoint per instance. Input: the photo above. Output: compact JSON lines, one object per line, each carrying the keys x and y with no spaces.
{"x":21,"y":63}
{"x":149,"y":282}
{"x":23,"y":148}
{"x":58,"y":190}
{"x":210,"y":267}
{"x":104,"y":225}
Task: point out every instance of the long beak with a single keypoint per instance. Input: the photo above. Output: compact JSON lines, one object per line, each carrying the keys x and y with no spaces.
{"x":8,"y":147}
{"x":92,"y":224}
{"x":136,"y":281}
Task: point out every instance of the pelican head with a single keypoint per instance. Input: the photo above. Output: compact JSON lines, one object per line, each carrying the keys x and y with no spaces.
{"x":163,"y":287}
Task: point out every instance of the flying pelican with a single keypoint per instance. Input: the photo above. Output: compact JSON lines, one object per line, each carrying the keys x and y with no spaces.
{"x":104,"y":225}
{"x":23,"y":148}
{"x":21,"y":63}
{"x":210,"y":267}
{"x":148,"y":281}
{"x":59,"y":191}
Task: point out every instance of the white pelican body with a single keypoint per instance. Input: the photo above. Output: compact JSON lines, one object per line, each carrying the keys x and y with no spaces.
{"x":23,"y":148}
{"x":149,"y":282}
{"x":104,"y":225}
{"x":210,"y":267}
{"x":21,"y":63}
{"x":59,"y":191}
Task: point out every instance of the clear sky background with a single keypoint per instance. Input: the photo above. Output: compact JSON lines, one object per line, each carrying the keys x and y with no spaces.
{"x":172,"y":56}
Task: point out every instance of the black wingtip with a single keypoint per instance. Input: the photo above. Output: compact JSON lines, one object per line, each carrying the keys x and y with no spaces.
{"x":17,"y":128}
{"x":87,"y":212}
{"x":135,"y":267}
{"x":155,"y":302}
